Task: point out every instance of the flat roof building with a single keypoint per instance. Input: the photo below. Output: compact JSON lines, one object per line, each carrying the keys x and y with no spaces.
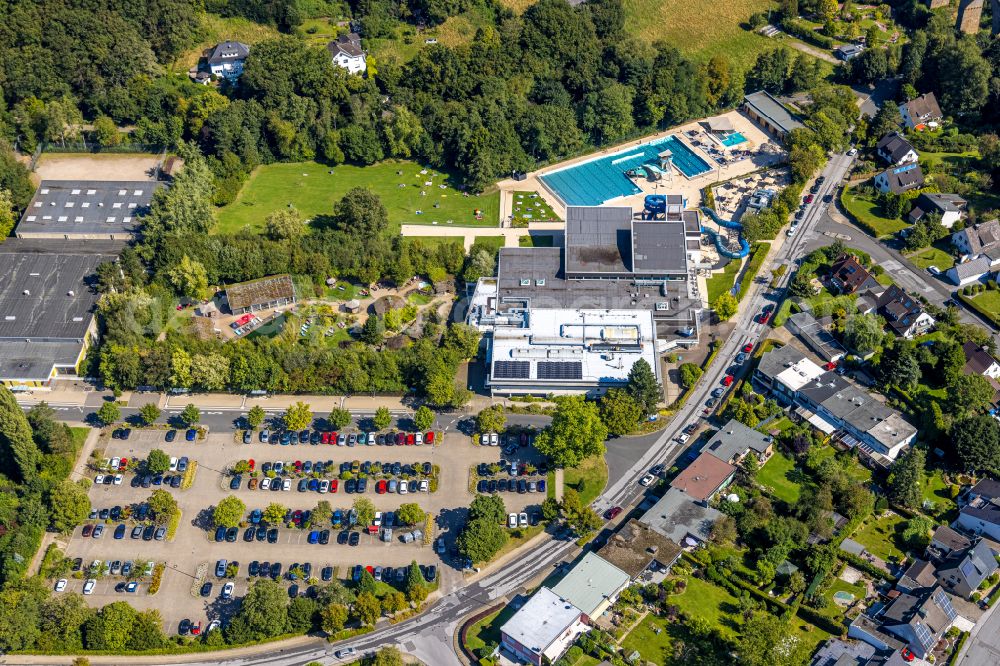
{"x":770,"y":114}
{"x":636,"y":546}
{"x":543,"y":628}
{"x":86,"y":209}
{"x":47,"y":304}
{"x":592,"y":585}
{"x":261,"y":294}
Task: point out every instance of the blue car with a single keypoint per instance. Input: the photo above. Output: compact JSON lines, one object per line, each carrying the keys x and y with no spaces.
{"x":338,"y":518}
{"x":313,"y":536}
{"x":256,"y":515}
{"x":541,"y":485}
{"x":120,"y":531}
{"x":286,"y":438}
{"x":220,"y":534}
{"x":190,"y":434}
{"x":313,"y":485}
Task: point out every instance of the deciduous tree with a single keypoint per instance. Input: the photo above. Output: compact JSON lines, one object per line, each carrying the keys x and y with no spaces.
{"x":906,"y":479}
{"x":339,"y":418}
{"x":298,"y":416}
{"x":423,"y":418}
{"x":229,"y":512}
{"x":383,"y":418}
{"x":149,"y":413}
{"x":620,"y":412}
{"x":576,"y":432}
{"x":491,"y":419}
{"x":108,"y":413}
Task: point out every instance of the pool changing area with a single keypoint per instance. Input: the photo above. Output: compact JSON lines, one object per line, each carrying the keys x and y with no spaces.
{"x":605,"y":178}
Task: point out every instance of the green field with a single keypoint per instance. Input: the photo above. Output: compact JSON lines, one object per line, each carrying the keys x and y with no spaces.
{"x":311,"y":188}
{"x":593,"y":472}
{"x":881,"y":536}
{"x":932,"y":256}
{"x":779,"y":474}
{"x":700,"y":28}
{"x":989,"y":301}
{"x":868,"y":213}
{"x":723,"y":281}
{"x":529,"y":207}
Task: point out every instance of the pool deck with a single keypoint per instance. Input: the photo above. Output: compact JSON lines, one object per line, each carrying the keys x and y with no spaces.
{"x":689,"y":188}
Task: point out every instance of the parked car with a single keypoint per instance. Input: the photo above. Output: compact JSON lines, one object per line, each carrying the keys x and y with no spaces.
{"x":190,"y":434}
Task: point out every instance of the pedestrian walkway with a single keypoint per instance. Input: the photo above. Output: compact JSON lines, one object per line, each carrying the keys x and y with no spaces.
{"x":559,"y":484}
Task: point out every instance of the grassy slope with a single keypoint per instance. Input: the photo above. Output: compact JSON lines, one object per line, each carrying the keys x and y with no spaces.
{"x":274,"y":186}
{"x":216,"y":29}
{"x":700,"y":28}
{"x":868,"y":212}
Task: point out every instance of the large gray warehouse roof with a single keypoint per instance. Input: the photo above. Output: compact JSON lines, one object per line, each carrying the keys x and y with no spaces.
{"x":86,"y":208}
{"x":659,"y":247}
{"x":598,"y":240}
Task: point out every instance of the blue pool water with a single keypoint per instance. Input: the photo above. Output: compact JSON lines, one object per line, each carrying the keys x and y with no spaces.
{"x":602,"y":179}
{"x":733,"y":139}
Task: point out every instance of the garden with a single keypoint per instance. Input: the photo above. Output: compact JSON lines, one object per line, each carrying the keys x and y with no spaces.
{"x":862,"y":204}
{"x":410,"y":193}
{"x":781,"y":477}
{"x":527,"y":207}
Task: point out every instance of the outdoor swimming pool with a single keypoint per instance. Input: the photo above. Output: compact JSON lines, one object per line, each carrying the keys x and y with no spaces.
{"x":733,"y":139}
{"x":596,"y":181}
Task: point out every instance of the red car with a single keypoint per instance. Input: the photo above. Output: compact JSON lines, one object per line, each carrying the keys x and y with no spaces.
{"x":612,"y":513}
{"x":380,"y":487}
{"x":297,"y":517}
{"x":370,"y":569}
{"x":196,"y":629}
{"x":400,"y":438}
{"x":907,"y":655}
{"x":429,"y":437}
{"x":123,"y":464}
{"x":326,"y":438}
{"x":297,"y":465}
{"x":252,"y":464}
{"x":748,"y":347}
{"x":87,"y":529}
{"x":411,"y":439}
{"x":334,"y":483}
{"x":763,"y":317}
{"x":809,"y":198}
{"x":727,"y":380}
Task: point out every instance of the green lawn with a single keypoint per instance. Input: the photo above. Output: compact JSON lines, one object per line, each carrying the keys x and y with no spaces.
{"x":989,"y":301}
{"x":832,"y":610}
{"x":312,"y":189}
{"x":488,"y":629}
{"x":781,"y":476}
{"x":593,"y":472}
{"x":881,"y":536}
{"x":538,"y":240}
{"x":825,"y":303}
{"x":528,"y":207}
{"x":869,"y":214}
{"x":948,"y":161}
{"x":723,"y":280}
{"x":937,"y":491}
{"x":932,"y":256}
{"x":79,"y":436}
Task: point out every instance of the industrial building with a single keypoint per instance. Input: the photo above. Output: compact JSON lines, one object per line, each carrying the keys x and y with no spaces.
{"x":86,"y":209}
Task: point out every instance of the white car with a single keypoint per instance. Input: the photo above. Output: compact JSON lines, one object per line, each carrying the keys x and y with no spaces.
{"x":402,"y":488}
{"x":286,"y":485}
{"x":213,"y":625}
{"x":484,"y":439}
{"x":227,"y":590}
{"x":512,"y":520}
{"x":377,"y":522}
{"x":99,"y":479}
{"x":88,"y":587}
{"x":646,"y":480}
{"x":345,"y":652}
{"x":852,"y":152}
{"x":118,"y":479}
{"x":324,"y":486}
{"x":791,"y":230}
{"x":682,"y":438}
{"x":61,"y":584}
{"x":419,"y":438}
{"x":934,"y":270}
{"x":425,"y":486}
{"x":114,"y":463}
{"x":522,"y":519}
{"x":173,"y":463}
{"x":494,"y":439}
{"x":149,"y":568}
{"x":265,"y":483}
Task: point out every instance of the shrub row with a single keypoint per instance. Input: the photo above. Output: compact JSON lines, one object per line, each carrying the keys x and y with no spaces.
{"x":988,"y":315}
{"x":825,"y":623}
{"x":807,"y":34}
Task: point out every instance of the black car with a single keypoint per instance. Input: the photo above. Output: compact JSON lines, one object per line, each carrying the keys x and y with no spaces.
{"x":206,"y":590}
{"x":265,"y":570}
{"x":379,"y":440}
{"x":103,"y":514}
{"x":147,"y":480}
{"x":126,"y":432}
{"x":185,"y":627}
{"x":327,"y":574}
{"x":141,"y":511}
{"x":232,"y":534}
{"x":350,"y":486}
{"x":171,"y":435}
{"x":254,"y":568}
{"x":307,"y":569}
{"x":522,"y":486}
{"x":342,"y":537}
{"x":304,"y":437}
{"x":427,"y":468}
{"x":136,"y":481}
{"x":235,"y":483}
{"x":293,"y":590}
{"x":109,"y":479}
{"x":408,"y":469}
{"x":396,"y":468}
{"x":412,"y":486}
{"x":248,"y":534}
{"x":175,"y":482}
{"x":501,"y":485}
{"x":431,"y":573}
{"x":261,"y":534}
{"x":116,"y":512}
{"x":148,"y":532}
{"x":324,"y":537}
{"x":315,"y":437}
{"x":220,"y":534}
{"x":355,"y":538}
{"x":276,"y":570}
{"x":491,"y":486}
{"x":272,"y":535}
{"x":481,"y":486}
{"x":303,"y":485}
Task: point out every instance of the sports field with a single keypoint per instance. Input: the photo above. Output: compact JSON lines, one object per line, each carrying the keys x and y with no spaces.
{"x":313,"y":189}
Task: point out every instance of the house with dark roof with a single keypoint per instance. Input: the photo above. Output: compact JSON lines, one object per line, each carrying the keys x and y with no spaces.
{"x":946,"y":541}
{"x":838,"y":652}
{"x":981,"y":515}
{"x":978,"y":361}
{"x":962,"y":573}
{"x":704,"y":478}
{"x":978,"y":239}
{"x":920,"y":111}
{"x":226,"y":59}
{"x":903,"y":314}
{"x":636,"y":547}
{"x":919,"y":574}
{"x":346,"y":53}
{"x":919,"y":620}
{"x":848,"y":52}
{"x":950,"y":207}
{"x":896,"y":150}
{"x":770,"y":114}
{"x":87,"y":209}
{"x":848,"y":276}
{"x":734,"y":441}
{"x":900,"y":179}
{"x":678,"y":517}
{"x":261,"y":294}
{"x":817,"y":336}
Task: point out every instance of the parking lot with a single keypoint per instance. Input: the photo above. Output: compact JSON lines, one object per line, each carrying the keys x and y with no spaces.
{"x":190,"y":557}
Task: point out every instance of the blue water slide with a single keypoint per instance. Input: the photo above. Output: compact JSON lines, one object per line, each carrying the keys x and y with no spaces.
{"x":720,"y":242}
{"x":656,"y":204}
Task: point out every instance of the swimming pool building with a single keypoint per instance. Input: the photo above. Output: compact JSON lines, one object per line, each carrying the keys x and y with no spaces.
{"x":628,"y":284}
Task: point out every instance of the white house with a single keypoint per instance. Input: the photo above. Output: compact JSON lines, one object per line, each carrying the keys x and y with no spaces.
{"x":920,"y":111}
{"x":978,"y":361}
{"x":978,"y":239}
{"x":543,"y":629}
{"x":950,"y":207}
{"x":227,"y":58}
{"x":969,"y":271}
{"x":900,"y":179}
{"x":347,"y":53}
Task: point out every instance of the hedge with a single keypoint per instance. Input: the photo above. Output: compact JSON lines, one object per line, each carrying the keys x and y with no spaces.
{"x":986,"y":314}
{"x":757,"y":256}
{"x":806,"y":33}
{"x":958,"y":648}
{"x":825,"y":623}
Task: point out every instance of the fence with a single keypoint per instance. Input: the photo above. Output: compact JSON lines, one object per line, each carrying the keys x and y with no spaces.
{"x":94,"y":147}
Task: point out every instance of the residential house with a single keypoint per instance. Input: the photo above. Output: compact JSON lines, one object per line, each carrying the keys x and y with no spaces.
{"x":900,"y":179}
{"x":920,"y":111}
{"x":967,"y":272}
{"x":987,"y":489}
{"x":226,"y":59}
{"x":781,"y":372}
{"x":636,"y":547}
{"x":946,"y":541}
{"x":734,"y":441}
{"x":347,"y":53}
{"x":978,"y":361}
{"x":977,"y":239}
{"x":847,"y":52}
{"x":918,"y":575}
{"x":896,"y":150}
{"x":903,"y":313}
{"x":592,"y":585}
{"x":848,"y":276}
{"x":950,"y":207}
{"x":981,"y":515}
{"x":962,"y":573}
{"x":816,"y":334}
{"x":261,"y":294}
{"x":919,"y":621}
{"x":838,"y":652}
{"x":542,"y":629}
{"x":679,"y":518}
{"x":704,"y":478}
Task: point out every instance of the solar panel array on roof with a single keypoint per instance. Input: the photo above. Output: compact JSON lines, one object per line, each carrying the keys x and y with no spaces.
{"x":924,"y":635}
{"x":560,"y":370}
{"x":942,"y":600}
{"x":512,"y":369}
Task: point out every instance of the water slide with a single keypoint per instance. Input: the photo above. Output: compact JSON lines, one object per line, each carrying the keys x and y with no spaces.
{"x":719,"y":241}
